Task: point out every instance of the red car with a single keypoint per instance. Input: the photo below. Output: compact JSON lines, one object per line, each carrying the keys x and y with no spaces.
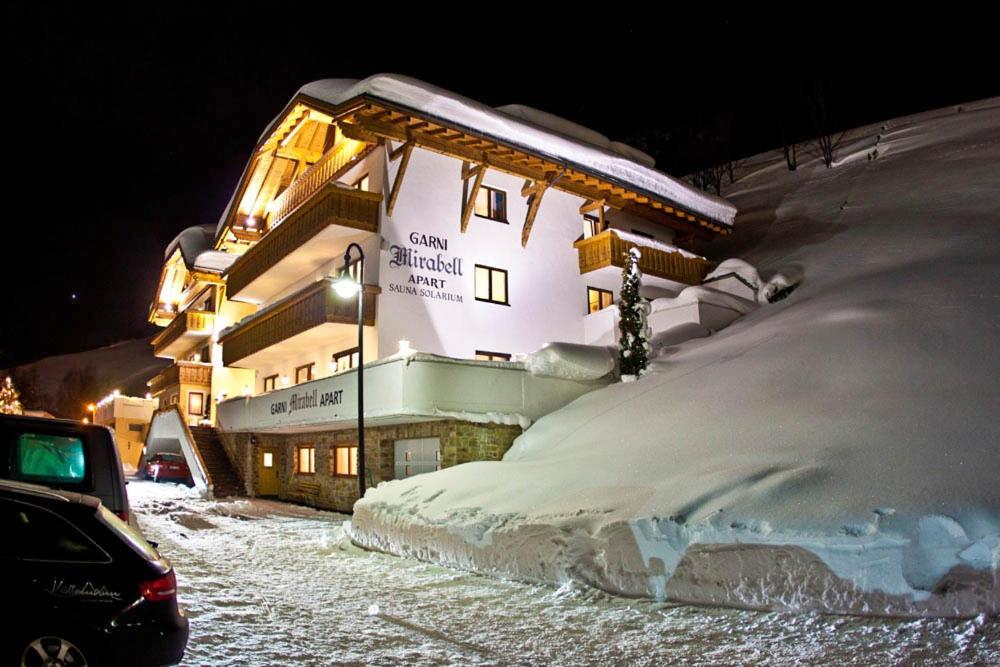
{"x":167,"y":466}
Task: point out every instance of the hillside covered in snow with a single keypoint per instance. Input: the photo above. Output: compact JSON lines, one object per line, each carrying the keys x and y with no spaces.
{"x":837,"y":450}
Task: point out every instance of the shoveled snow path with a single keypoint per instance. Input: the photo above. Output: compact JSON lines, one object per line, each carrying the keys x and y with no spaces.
{"x":267,"y":583}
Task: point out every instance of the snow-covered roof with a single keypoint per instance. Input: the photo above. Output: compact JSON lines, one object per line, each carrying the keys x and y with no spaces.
{"x":534,"y":131}
{"x":196,"y":247}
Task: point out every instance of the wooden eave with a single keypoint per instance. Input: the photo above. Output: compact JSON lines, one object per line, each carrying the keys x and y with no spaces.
{"x":373,"y":120}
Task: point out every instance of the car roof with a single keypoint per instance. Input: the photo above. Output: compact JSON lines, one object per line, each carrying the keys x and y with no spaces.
{"x":14,"y":489}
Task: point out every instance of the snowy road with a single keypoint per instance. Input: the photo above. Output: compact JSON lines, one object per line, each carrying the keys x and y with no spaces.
{"x":274,"y":584}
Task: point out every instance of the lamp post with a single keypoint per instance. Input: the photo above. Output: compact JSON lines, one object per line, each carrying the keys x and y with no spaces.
{"x":346,"y":287}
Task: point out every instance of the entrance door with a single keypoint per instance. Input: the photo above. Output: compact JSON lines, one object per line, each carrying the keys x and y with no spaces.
{"x":417,"y":456}
{"x":268,"y":477}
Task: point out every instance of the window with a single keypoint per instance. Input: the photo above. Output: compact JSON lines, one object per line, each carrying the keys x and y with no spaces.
{"x":196,"y":403}
{"x":138,"y":428}
{"x":205,"y":301}
{"x":491,"y":285}
{"x":592,"y":226}
{"x":268,"y":459}
{"x":345,"y":360}
{"x":305,"y":459}
{"x":362,"y":183}
{"x":643,"y":234}
{"x":482,"y":355}
{"x":270,"y":382}
{"x":491,"y":203}
{"x":598,"y":299}
{"x":304,"y":373}
{"x":43,"y":458}
{"x":41,"y":535}
{"x":344,"y":460}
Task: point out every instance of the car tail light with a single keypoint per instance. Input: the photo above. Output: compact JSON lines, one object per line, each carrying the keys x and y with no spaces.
{"x":163,"y":588}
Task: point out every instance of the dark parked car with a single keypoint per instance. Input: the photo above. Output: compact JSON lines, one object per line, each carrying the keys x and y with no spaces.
{"x":66,"y":455}
{"x":168,"y":466}
{"x":82,"y":587}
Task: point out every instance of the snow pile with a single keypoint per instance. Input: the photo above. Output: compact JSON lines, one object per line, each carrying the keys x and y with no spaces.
{"x":833,"y":451}
{"x":572,"y":361}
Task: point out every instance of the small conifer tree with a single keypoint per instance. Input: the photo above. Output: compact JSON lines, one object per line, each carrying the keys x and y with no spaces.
{"x":633,"y":347}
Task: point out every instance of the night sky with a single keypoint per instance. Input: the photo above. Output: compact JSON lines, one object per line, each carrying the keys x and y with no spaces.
{"x":123,"y":129}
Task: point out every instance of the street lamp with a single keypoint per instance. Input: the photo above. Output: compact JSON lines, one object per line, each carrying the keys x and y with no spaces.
{"x":346,"y":287}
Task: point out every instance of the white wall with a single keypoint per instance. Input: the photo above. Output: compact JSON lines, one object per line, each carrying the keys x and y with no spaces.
{"x":547,"y":294}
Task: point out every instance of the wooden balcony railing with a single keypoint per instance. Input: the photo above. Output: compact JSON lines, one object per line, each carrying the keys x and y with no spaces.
{"x":607,"y":249}
{"x":329,"y":167}
{"x":332,"y":205}
{"x":182,"y":372}
{"x":197,"y":323}
{"x":315,"y":305}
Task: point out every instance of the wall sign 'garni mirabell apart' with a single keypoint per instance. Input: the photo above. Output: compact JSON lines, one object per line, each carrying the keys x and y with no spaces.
{"x":488,"y":232}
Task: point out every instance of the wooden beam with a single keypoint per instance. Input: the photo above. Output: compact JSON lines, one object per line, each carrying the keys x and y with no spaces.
{"x":534,"y":191}
{"x":398,"y":181}
{"x":470,"y":203}
{"x":592,"y":205}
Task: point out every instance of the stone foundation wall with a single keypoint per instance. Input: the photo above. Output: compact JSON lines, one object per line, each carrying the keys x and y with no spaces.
{"x":461,"y":442}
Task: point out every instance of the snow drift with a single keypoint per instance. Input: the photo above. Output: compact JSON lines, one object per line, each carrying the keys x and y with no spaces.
{"x":836,"y":450}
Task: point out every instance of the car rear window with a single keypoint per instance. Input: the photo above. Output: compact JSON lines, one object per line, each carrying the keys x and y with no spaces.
{"x":129,"y":534}
{"x":44,"y":457}
{"x":36,"y":534}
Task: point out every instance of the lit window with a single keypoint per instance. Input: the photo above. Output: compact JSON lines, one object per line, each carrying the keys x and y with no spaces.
{"x":270,"y":382}
{"x":491,"y":284}
{"x":304,"y":373}
{"x":362,"y":183}
{"x":344,"y":460}
{"x":491,"y":203}
{"x":305,"y":459}
{"x":592,"y":226}
{"x":196,"y":403}
{"x":598,"y":299}
{"x":345,"y":360}
{"x":483,"y":355}
{"x":268,"y":460}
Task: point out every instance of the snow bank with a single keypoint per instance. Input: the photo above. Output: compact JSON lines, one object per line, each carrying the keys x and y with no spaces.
{"x":572,"y":361}
{"x":833,"y":451}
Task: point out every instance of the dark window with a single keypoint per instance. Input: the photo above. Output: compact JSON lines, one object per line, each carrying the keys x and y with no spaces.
{"x":642,"y":234}
{"x":136,"y":427}
{"x":491,"y":285}
{"x":491,"y":203}
{"x":483,"y":355}
{"x":304,"y":373}
{"x":270,"y":382}
{"x":598,"y":299}
{"x":40,"y":535}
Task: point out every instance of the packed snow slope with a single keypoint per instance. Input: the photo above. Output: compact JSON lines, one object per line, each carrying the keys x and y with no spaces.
{"x":838,"y":450}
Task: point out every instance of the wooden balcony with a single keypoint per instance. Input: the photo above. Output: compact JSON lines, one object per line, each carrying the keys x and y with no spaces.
{"x":330,"y":205}
{"x":607,"y":249}
{"x":181,"y":372}
{"x":182,"y":333}
{"x":330,"y":167}
{"x":311,"y":307}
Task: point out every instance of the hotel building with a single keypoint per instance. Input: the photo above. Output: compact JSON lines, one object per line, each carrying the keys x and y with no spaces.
{"x":487,"y":233}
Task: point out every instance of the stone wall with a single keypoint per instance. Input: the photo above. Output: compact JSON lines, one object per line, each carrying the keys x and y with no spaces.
{"x":461,"y":442}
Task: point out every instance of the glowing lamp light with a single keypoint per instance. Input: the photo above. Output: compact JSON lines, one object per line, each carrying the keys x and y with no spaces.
{"x":148,"y":396}
{"x":345,"y":286}
{"x":86,"y":421}
{"x":91,"y":407}
{"x":284,"y":379}
{"x":116,"y":393}
{"x":251,"y":223}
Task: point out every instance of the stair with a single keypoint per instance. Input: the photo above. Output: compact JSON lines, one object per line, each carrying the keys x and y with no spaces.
{"x":225,"y":480}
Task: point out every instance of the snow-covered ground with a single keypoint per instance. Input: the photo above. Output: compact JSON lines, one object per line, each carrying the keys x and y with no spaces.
{"x":267,"y":583}
{"x":835,"y":451}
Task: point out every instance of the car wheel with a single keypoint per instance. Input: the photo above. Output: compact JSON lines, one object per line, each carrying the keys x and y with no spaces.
{"x":52,"y":651}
